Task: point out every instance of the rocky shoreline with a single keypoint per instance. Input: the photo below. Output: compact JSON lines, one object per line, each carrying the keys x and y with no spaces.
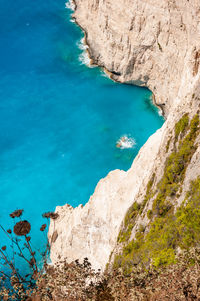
{"x":153,"y":44}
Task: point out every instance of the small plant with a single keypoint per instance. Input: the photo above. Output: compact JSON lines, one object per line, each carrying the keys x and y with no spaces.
{"x":132,"y":213}
{"x":149,"y":214}
{"x":14,"y":285}
{"x":181,"y":125}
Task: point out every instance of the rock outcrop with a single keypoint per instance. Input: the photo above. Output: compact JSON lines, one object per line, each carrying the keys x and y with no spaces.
{"x":150,"y":43}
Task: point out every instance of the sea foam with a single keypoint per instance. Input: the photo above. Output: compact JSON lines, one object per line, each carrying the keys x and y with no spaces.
{"x":125,"y":141}
{"x":84,"y":58}
{"x":104,"y":74}
{"x":70,"y":5}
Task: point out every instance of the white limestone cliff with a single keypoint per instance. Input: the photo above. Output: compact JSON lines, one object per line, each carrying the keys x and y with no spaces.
{"x":151,"y":43}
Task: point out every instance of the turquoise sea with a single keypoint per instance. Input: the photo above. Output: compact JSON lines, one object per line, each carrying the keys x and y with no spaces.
{"x":59,"y":119}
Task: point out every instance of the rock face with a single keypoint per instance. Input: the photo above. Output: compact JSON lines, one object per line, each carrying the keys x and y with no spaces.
{"x":91,"y":231}
{"x":151,"y":43}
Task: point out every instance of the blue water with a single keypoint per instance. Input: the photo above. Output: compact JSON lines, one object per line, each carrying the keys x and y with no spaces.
{"x":59,"y":120}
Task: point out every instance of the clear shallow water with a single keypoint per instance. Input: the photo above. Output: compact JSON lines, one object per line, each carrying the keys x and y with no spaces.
{"x":59,"y":120}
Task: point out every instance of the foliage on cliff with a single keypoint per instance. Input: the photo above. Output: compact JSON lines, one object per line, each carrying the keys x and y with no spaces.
{"x":168,"y":228}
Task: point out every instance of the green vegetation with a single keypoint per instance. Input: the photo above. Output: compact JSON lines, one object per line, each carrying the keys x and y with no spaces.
{"x":176,"y":165}
{"x":168,"y":144}
{"x":149,"y":214}
{"x":131,"y":215}
{"x":129,"y":220}
{"x":168,"y":229}
{"x":166,"y":233}
{"x":188,"y":217}
{"x":149,"y":192}
{"x":181,"y":125}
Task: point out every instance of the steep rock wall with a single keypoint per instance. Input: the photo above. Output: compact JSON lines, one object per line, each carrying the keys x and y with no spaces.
{"x":152,"y":43}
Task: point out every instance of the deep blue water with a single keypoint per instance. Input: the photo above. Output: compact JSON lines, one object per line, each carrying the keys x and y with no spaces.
{"x":59,"y":120}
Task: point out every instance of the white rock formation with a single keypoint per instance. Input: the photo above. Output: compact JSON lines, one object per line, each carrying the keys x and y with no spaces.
{"x":91,"y":231}
{"x":152,"y":43}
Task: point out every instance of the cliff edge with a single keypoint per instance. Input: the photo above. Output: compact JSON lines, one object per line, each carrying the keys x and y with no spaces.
{"x":149,"y":43}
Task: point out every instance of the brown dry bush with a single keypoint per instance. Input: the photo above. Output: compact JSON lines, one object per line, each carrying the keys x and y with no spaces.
{"x":79,"y":282}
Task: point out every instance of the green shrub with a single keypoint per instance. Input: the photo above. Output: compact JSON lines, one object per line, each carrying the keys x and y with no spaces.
{"x":165,"y":257}
{"x":181,"y":125}
{"x":132,"y":213}
{"x":125,"y":232}
{"x":168,"y":144}
{"x":149,"y":214}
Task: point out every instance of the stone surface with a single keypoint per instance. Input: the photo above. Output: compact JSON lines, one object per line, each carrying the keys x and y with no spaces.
{"x":151,"y":43}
